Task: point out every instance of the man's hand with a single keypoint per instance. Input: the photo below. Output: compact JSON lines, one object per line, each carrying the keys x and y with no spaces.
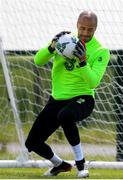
{"x":80,"y":50}
{"x":55,"y":39}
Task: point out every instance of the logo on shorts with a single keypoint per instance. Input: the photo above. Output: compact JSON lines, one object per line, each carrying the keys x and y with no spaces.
{"x":80,"y":100}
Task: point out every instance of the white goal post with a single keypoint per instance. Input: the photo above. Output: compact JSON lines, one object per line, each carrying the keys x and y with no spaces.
{"x":25,"y":88}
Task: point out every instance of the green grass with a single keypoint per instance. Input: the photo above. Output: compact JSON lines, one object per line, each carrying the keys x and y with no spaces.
{"x":37,"y":173}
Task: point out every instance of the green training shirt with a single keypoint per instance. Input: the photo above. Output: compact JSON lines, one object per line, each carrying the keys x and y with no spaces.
{"x":68,"y":78}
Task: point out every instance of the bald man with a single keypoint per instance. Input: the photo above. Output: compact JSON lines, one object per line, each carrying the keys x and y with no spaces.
{"x":73,"y":94}
{"x":86,"y":25}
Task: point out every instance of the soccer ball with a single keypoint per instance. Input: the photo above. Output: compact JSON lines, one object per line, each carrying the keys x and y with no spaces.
{"x":66,"y":45}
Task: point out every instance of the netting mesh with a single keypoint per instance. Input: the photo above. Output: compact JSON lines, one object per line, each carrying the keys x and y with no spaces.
{"x":28,"y":26}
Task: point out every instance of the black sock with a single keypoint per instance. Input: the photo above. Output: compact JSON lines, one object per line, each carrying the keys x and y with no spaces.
{"x":80,"y":164}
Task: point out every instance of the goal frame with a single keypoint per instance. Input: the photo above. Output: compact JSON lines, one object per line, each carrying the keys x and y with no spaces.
{"x":23,"y":159}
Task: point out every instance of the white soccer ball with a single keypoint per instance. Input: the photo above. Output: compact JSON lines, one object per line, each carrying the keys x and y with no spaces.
{"x":66,"y":45}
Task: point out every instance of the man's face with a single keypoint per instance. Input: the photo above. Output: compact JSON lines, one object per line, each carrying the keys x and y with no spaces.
{"x":86,"y":27}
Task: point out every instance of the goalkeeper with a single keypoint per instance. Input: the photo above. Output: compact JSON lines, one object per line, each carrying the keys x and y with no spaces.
{"x":73,"y":94}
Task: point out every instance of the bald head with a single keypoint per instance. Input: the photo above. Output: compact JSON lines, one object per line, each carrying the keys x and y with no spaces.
{"x":86,"y":24}
{"x":89,"y":15}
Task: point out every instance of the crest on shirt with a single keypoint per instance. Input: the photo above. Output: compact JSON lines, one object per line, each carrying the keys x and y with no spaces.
{"x":69,"y":64}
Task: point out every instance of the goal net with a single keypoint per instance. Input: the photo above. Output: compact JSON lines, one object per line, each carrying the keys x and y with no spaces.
{"x":25,"y":27}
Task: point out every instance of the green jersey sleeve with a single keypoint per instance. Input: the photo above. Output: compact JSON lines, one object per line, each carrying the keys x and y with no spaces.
{"x":93,"y":72}
{"x":42,"y":56}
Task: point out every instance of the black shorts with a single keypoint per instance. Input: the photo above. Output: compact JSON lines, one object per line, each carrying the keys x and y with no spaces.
{"x":64,"y":113}
{"x":78,"y":108}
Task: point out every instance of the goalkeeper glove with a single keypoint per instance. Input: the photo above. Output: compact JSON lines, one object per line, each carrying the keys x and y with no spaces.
{"x":51,"y":47}
{"x":80,"y":52}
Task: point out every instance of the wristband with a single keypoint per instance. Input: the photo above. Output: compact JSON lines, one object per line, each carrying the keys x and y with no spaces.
{"x":51,"y":50}
{"x":83,"y":63}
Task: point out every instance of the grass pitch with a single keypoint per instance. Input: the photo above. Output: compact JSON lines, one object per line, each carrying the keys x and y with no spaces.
{"x":37,"y":173}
